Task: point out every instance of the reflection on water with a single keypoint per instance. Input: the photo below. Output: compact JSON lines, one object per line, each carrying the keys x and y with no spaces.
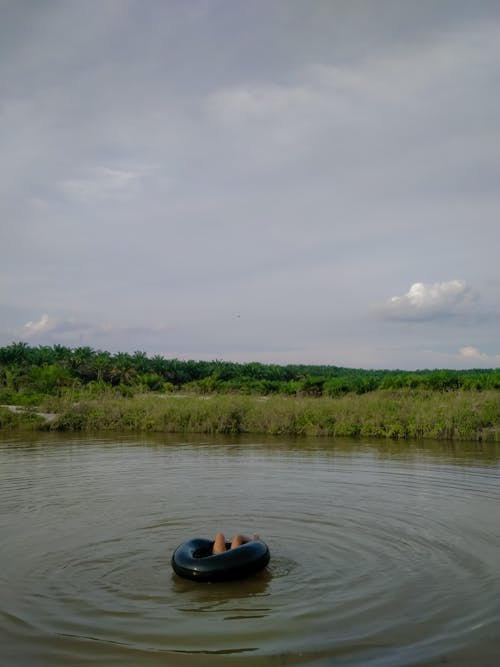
{"x":380,"y":554}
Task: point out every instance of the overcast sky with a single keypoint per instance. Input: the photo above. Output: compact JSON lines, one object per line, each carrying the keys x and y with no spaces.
{"x":290,"y":181}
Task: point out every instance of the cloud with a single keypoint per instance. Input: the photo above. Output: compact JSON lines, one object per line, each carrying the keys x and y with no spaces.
{"x":346,"y":111}
{"x":430,"y":301}
{"x":473,"y":354}
{"x":44,"y":324}
{"x":71,"y":331}
{"x":101,"y":182}
{"x":53,"y":326}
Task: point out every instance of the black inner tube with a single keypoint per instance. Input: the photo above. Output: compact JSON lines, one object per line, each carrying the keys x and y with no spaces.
{"x":194,"y":560}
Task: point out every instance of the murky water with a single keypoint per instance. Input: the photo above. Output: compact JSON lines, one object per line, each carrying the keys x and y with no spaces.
{"x":381,"y":555}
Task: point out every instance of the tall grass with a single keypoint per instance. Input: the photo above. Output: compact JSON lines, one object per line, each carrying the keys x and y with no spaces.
{"x":26,"y":420}
{"x":398,"y":414}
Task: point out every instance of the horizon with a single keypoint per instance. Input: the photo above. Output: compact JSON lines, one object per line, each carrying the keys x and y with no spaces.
{"x":252,"y":361}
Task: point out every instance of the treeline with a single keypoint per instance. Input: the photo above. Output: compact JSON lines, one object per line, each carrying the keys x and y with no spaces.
{"x":53,"y":369}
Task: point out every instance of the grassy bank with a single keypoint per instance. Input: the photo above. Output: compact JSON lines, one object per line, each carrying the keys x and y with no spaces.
{"x":412,"y":414}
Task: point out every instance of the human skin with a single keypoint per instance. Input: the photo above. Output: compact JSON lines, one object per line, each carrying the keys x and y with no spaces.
{"x":220,"y":542}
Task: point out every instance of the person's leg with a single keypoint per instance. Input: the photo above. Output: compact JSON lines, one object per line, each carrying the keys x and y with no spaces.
{"x":238,"y":540}
{"x":219,"y":544}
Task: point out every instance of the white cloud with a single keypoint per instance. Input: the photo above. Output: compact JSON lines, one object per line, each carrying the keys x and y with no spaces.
{"x":428,"y":301}
{"x":44,"y":324}
{"x":52,"y":326}
{"x":72,"y":331}
{"x":102,"y":182}
{"x":473,"y":354}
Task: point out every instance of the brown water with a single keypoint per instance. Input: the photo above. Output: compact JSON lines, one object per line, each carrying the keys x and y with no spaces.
{"x":381,"y":555}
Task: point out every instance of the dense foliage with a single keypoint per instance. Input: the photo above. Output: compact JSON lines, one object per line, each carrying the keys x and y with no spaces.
{"x":54,"y":369}
{"x":399,"y":414}
{"x":82,"y":389}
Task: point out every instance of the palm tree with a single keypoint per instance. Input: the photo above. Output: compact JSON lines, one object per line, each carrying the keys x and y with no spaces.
{"x":122,"y":370}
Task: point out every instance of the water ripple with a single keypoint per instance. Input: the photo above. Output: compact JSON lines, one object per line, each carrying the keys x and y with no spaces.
{"x":375,"y":560}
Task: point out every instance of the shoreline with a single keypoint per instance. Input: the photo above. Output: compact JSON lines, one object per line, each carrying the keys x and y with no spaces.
{"x":389,"y":415}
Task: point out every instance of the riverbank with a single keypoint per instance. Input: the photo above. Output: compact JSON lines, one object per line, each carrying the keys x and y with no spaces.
{"x":402,"y":414}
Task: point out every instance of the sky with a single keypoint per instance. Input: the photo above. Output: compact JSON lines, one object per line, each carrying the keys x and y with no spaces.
{"x":281,"y":181}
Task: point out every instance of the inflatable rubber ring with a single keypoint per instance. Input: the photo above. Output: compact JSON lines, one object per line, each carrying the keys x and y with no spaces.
{"x":194,"y":560}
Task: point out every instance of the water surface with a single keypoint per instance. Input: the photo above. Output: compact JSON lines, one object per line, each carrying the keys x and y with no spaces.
{"x":381,"y":555}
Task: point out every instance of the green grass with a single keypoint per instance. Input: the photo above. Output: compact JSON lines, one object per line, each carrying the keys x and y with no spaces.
{"x":27,"y":420}
{"x":398,"y":414}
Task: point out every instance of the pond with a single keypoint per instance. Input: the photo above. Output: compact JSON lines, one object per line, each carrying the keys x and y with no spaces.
{"x":381,"y":554}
